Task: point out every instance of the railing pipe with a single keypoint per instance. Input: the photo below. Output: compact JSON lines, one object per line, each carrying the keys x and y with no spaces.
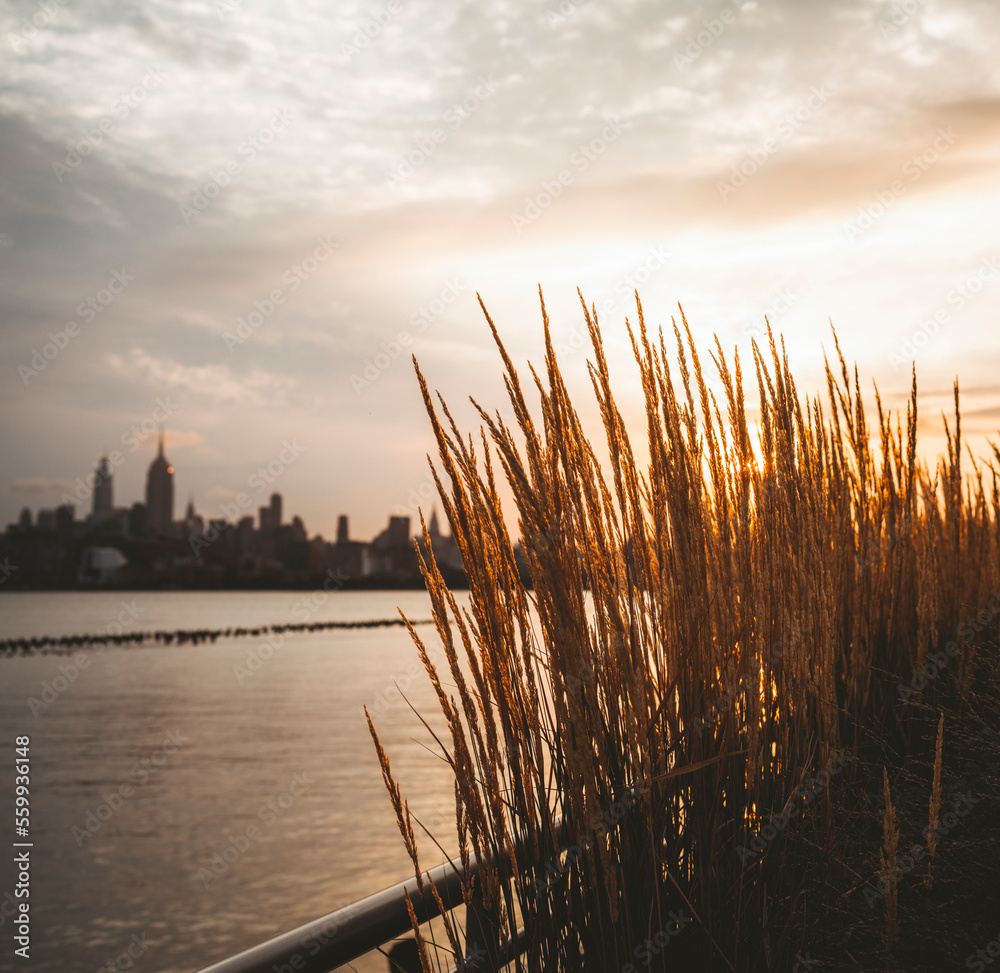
{"x":338,"y":938}
{"x":342,"y":936}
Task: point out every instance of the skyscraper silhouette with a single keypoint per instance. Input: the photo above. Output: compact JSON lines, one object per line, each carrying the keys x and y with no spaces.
{"x":103,"y":483}
{"x":160,"y":493}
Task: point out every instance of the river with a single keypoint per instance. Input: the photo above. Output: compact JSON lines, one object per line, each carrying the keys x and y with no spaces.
{"x":189,"y":801}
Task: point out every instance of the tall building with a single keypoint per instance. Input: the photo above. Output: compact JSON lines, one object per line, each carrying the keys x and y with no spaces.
{"x":347,"y":557}
{"x":103,"y":483}
{"x":244,"y":536}
{"x":391,"y":553}
{"x":160,"y":494}
{"x":297,"y":532}
{"x":194,"y":523}
{"x":137,"y":520}
{"x":270,"y":527}
{"x":444,"y":546}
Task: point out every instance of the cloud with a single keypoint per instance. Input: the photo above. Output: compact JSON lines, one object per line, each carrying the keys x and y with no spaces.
{"x":39,"y":487}
{"x":560,"y":79}
{"x":220,"y":494}
{"x":993,"y":412}
{"x":210,"y":383}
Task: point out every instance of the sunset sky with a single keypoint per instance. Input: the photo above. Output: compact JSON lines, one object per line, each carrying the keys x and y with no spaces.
{"x":346,"y":174}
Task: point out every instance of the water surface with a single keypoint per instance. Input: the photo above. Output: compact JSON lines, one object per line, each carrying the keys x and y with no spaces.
{"x":211,"y":749}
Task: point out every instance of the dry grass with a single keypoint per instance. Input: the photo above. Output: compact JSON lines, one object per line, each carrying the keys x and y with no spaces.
{"x":934,"y":807}
{"x":701,"y":640}
{"x":890,"y":872}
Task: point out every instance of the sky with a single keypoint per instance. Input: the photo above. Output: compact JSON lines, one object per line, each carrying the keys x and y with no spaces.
{"x":239,"y":218}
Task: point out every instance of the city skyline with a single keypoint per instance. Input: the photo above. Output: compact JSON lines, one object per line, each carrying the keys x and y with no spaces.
{"x":257,"y":266}
{"x":93,"y":497}
{"x":89,"y":540}
{"x":212,"y":500}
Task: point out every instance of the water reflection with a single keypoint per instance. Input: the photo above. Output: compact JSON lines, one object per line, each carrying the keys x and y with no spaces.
{"x":126,"y":833}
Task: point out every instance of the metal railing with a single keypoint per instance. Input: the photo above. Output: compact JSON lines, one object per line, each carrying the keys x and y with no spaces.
{"x":338,"y":938}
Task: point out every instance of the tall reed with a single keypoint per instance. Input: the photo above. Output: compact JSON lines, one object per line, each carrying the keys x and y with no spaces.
{"x":700,"y":642}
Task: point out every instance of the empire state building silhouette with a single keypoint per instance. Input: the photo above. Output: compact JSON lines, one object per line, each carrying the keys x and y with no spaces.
{"x":160,"y":494}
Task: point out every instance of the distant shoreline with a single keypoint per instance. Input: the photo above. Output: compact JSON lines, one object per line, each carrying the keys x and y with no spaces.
{"x":355,"y":584}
